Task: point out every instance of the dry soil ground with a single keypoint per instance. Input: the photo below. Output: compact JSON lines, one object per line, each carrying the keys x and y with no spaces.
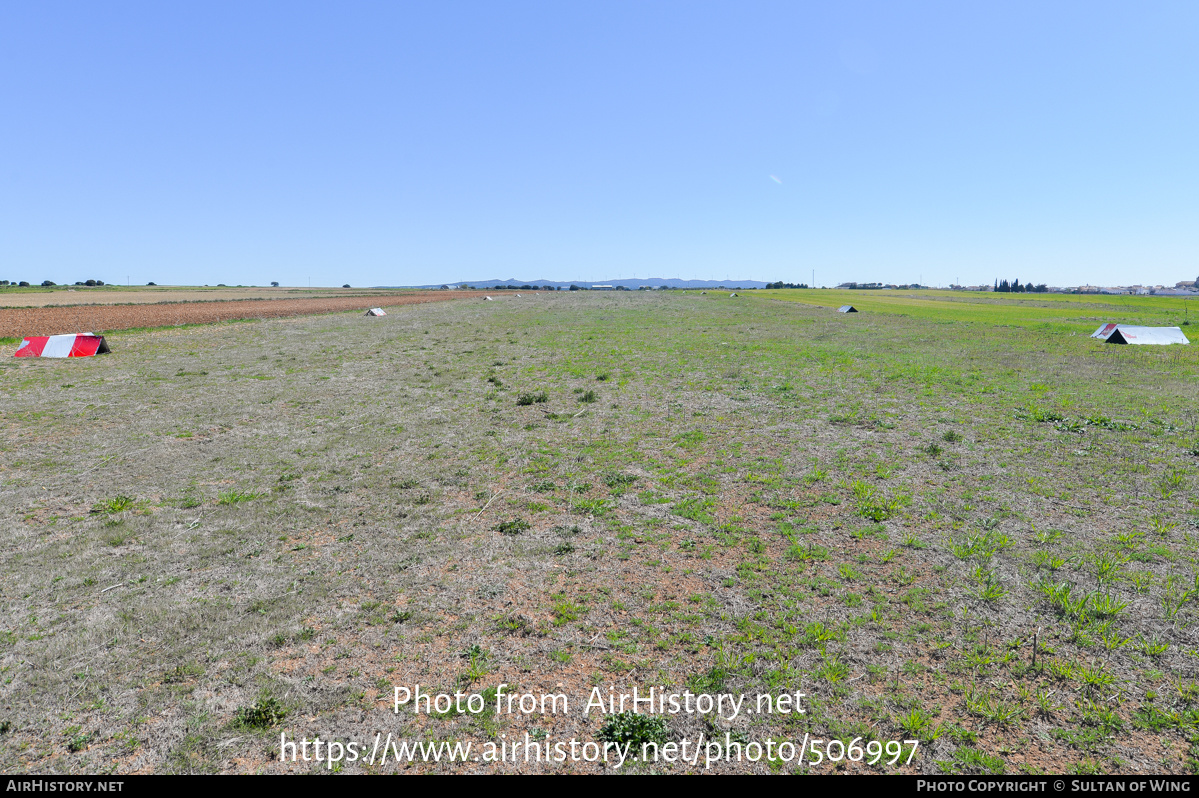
{"x":983,"y":538}
{"x":99,"y":318}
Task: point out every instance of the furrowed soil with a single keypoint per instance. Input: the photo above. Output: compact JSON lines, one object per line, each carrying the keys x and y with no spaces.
{"x":56,"y":319}
{"x":38,"y":296}
{"x":980,"y":537}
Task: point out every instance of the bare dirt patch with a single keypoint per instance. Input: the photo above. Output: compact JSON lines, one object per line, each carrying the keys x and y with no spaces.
{"x":148,"y":295}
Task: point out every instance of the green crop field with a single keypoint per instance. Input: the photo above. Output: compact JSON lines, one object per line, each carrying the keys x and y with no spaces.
{"x":951,"y":519}
{"x":1057,"y":312}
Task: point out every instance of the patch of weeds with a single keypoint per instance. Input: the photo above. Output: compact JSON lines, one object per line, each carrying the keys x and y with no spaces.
{"x":1155,"y":719}
{"x":633,"y":730}
{"x":1105,"y":605}
{"x":514,"y":527}
{"x":832,"y":671}
{"x":1040,"y":415}
{"x":710,"y":683}
{"x":588,"y":397}
{"x":695,"y":509}
{"x":1044,"y":559}
{"x":1171,"y":482}
{"x":183,"y":673}
{"x":618,"y":481}
{"x":982,"y":545}
{"x":596,"y":507}
{"x":690,"y":440}
{"x":118,"y":537}
{"x":266,"y":712}
{"x":874,"y":505}
{"x":565,"y":612}
{"x":951,"y":437}
{"x":807,"y":552}
{"x":187,"y":501}
{"x":117,"y":504}
{"x":532,"y":398}
{"x":515,"y":624}
{"x":235,"y":497}
{"x":848,"y":572}
{"x":918,"y":724}
{"x":972,"y":760}
{"x":76,"y":740}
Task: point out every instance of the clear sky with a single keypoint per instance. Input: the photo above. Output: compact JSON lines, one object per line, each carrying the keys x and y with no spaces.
{"x":398,"y":143}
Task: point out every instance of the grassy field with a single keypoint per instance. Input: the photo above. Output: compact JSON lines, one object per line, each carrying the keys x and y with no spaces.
{"x":1047,"y":312}
{"x":950,"y":519}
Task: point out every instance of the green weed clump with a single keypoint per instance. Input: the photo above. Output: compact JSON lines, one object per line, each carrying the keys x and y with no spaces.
{"x":532,"y":398}
{"x":875,"y":506}
{"x":117,"y":504}
{"x":235,"y":497}
{"x":514,"y":527}
{"x":266,"y":712}
{"x":617,"y":480}
{"x":629,"y":728}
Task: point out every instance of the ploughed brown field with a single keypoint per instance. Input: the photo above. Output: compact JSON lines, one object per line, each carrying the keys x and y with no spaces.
{"x":21,"y":322}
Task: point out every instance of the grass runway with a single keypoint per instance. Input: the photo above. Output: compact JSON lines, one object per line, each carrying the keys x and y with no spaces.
{"x":954,"y":520}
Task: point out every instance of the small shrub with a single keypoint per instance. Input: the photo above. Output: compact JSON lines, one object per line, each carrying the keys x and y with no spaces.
{"x":532,"y":398}
{"x":588,"y":397}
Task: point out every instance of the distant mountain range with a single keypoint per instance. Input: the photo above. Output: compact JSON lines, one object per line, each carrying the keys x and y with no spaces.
{"x":634,"y":284}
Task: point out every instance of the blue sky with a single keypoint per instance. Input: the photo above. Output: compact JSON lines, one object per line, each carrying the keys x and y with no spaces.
{"x":409,"y":143}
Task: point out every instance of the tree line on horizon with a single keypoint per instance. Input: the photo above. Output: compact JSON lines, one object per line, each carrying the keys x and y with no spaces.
{"x":1014,"y":287}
